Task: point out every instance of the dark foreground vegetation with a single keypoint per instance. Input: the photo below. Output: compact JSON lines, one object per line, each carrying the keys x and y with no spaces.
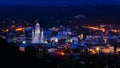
{"x":10,"y":56}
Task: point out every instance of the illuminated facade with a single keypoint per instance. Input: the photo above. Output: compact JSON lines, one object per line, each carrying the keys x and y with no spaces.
{"x":37,"y":36}
{"x":42,"y":37}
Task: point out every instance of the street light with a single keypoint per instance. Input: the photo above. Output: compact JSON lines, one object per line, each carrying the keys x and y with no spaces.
{"x":24,"y":42}
{"x":97,"y":48}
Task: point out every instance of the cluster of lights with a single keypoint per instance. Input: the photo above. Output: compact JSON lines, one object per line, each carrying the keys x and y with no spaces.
{"x":94,"y":51}
{"x":22,"y":49}
{"x":95,"y":28}
{"x":6,"y":30}
{"x":60,"y":52}
{"x":19,"y":29}
{"x":102,"y":29}
{"x":81,"y":36}
{"x":114,"y":30}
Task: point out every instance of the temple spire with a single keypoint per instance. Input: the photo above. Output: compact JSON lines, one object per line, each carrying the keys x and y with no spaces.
{"x":42,"y":37}
{"x":37,"y":35}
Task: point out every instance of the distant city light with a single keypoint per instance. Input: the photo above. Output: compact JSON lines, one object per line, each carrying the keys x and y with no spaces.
{"x":6,"y":30}
{"x":56,"y":40}
{"x":113,"y":30}
{"x":62,"y":53}
{"x":22,"y":49}
{"x":24,"y":42}
{"x":105,"y":40}
{"x":45,"y":41}
{"x":19,"y":29}
{"x":97,"y":48}
{"x":95,"y":28}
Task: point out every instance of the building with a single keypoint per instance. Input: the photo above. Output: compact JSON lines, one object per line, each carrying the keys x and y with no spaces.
{"x":37,"y":35}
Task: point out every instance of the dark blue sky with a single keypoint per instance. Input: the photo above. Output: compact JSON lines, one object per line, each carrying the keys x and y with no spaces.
{"x":59,"y":2}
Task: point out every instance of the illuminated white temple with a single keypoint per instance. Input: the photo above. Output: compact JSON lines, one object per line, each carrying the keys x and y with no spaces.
{"x":42,"y":37}
{"x":37,"y":36}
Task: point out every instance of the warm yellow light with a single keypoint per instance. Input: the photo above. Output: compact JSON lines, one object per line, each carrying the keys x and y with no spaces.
{"x":90,"y":49}
{"x":81,"y":36}
{"x":93,"y":52}
{"x":113,"y":30}
{"x":19,"y":29}
{"x":106,"y":50}
{"x":22,"y":49}
{"x":62,"y":53}
{"x":6,"y":30}
{"x":102,"y":29}
{"x":97,"y":48}
{"x":94,"y":28}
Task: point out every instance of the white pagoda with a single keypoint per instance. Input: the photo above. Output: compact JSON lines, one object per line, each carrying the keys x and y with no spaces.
{"x":37,"y":36}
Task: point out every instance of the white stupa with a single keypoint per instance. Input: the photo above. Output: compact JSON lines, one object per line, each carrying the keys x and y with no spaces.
{"x":37,"y":36}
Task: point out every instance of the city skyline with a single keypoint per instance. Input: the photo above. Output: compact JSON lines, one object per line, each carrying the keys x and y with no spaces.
{"x":60,"y":33}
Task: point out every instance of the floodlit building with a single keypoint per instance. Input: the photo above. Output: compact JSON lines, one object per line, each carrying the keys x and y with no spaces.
{"x":37,"y":36}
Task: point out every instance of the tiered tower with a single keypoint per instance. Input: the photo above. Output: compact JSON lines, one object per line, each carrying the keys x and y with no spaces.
{"x":37,"y":36}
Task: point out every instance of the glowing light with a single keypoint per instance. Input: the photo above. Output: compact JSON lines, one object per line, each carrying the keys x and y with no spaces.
{"x":90,"y":49}
{"x":105,"y":40}
{"x":81,"y":36}
{"x":106,"y":50}
{"x":71,"y":40}
{"x":102,"y":29}
{"x":22,"y":49}
{"x":83,"y":51}
{"x":24,"y":42}
{"x":6,"y":30}
{"x":97,"y":48}
{"x":113,"y":30}
{"x":45,"y":41}
{"x":19,"y":29}
{"x":118,"y":50}
{"x":62,"y":53}
{"x":56,"y":40}
{"x":93,"y":52}
{"x":95,"y":28}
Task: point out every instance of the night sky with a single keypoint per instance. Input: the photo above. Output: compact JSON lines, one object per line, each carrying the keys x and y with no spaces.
{"x":106,"y":10}
{"x":58,"y":2}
